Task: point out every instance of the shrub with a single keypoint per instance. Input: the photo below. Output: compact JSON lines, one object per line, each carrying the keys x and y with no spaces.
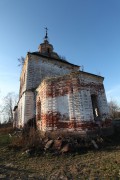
{"x":29,"y":139}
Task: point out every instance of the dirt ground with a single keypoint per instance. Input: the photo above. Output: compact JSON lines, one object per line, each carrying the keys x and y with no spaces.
{"x":103,"y":163}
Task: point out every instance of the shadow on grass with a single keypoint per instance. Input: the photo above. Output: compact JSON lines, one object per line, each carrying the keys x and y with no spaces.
{"x":7,"y":168}
{"x":14,"y":172}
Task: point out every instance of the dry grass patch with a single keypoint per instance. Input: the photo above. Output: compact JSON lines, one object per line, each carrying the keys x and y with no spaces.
{"x":103,"y":163}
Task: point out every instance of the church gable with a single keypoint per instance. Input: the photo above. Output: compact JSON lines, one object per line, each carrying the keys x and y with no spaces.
{"x":40,"y":67}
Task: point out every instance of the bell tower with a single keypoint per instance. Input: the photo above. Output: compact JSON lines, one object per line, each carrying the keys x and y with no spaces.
{"x":46,"y":48}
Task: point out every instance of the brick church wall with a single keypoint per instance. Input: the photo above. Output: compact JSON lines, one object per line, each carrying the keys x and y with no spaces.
{"x":35,"y":69}
{"x":65,"y":102}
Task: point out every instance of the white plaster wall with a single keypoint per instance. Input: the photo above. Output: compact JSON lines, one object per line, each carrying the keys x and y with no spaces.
{"x":103,"y":106}
{"x":71,"y":107}
{"x":23,"y":77}
{"x":63,"y":106}
{"x":19,"y":115}
{"x":80,"y":106}
{"x":101,"y":96}
{"x":38,"y":70}
{"x":56,"y":104}
{"x":86,"y":111}
{"x":80,"y":102}
{"x":21,"y":108}
{"x":47,"y":105}
{"x":34,"y":71}
{"x":26,"y":108}
{"x":87,"y":78}
{"x":77,"y":105}
{"x":29,"y":106}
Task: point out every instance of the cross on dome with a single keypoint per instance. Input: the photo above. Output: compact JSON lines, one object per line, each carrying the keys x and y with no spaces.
{"x":46,"y":35}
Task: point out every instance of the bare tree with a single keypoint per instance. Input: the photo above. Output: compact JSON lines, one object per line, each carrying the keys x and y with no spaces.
{"x":21,"y":61}
{"x":114,"y":109}
{"x":9,"y":101}
{"x":62,"y":57}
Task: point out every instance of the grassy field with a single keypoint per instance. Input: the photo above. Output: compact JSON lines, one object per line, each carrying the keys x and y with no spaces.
{"x":90,"y":164}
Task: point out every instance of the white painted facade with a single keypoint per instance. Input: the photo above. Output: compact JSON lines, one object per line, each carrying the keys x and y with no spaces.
{"x":57,"y":94}
{"x":76,"y":105}
{"x":34,"y":71}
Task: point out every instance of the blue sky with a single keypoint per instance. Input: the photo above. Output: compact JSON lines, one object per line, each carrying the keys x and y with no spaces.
{"x":86,"y":32}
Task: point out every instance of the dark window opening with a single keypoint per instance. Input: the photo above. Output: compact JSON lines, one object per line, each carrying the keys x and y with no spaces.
{"x":39,"y":110}
{"x":95,"y":106}
{"x":31,"y":123}
{"x":48,"y":50}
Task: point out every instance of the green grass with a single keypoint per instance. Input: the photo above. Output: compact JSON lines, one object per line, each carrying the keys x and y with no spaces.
{"x":4,"y":140}
{"x":4,"y":134}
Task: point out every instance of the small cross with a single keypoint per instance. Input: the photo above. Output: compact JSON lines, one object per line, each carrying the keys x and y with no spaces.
{"x":46,"y":36}
{"x":46,"y":29}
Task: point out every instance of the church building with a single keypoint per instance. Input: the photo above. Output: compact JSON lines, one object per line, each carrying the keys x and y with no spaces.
{"x":58,"y":96}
